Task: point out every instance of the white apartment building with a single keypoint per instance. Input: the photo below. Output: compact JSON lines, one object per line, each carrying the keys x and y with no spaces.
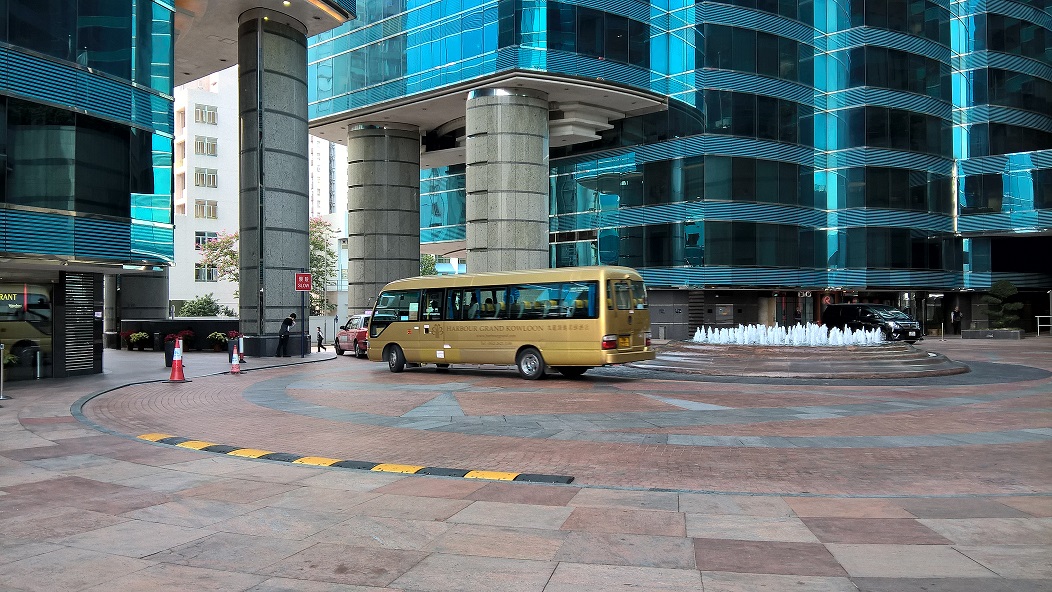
{"x":206,"y":183}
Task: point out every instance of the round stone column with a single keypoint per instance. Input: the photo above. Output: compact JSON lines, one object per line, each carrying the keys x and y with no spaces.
{"x":383,"y":209}
{"x":274,"y":246}
{"x":507,"y":179}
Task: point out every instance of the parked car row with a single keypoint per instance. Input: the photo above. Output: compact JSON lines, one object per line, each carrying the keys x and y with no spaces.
{"x":354,"y":336}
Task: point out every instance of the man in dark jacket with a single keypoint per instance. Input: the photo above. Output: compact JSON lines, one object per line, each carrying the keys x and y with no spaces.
{"x":283,"y":336}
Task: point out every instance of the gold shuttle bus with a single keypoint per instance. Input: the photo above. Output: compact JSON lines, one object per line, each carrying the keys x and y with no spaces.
{"x":570,"y":319}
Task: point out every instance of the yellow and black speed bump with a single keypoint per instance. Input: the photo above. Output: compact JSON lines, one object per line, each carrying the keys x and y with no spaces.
{"x":351,"y":464}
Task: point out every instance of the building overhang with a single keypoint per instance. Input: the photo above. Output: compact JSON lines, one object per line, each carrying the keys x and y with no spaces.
{"x":206,"y":30}
{"x":579,"y":108}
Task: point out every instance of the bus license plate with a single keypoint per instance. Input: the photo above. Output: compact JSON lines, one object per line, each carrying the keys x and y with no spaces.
{"x":623,"y":342}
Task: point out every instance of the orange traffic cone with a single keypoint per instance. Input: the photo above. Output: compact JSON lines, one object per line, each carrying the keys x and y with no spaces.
{"x":235,"y":362}
{"x":177,"y":362}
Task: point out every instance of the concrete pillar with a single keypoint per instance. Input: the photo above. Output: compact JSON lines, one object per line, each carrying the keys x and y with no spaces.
{"x":383,"y":209}
{"x":274,"y":246}
{"x":507,"y":179}
{"x":111,"y":326}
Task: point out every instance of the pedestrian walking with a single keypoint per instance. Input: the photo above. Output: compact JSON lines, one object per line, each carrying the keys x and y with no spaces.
{"x":321,"y":339}
{"x":955,"y":320}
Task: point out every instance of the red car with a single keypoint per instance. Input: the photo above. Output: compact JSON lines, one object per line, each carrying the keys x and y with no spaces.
{"x":354,"y":336}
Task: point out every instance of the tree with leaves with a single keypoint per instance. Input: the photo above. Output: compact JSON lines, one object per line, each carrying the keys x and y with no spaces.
{"x":427,"y":264}
{"x":202,"y":306}
{"x":1002,"y":313}
{"x":222,"y":253}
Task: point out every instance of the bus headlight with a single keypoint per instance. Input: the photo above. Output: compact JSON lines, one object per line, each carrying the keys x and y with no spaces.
{"x":609,"y":342}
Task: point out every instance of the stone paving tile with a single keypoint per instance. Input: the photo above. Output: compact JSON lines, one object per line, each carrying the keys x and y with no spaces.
{"x":414,"y":508}
{"x":906,"y":561}
{"x":212,"y":464}
{"x":627,"y":549}
{"x":741,"y":505}
{"x":722,"y":581}
{"x":179,"y":577}
{"x":499,"y":541}
{"x":431,"y":486}
{"x":950,"y":584}
{"x":133,"y":538}
{"x":231,"y":552}
{"x":463,"y":573}
{"x":114,"y":471}
{"x":344,"y":564}
{"x":768,"y":557}
{"x":12,"y":549}
{"x":846,"y":507}
{"x":873,"y":530}
{"x":167,"y":481}
{"x":318,"y":499}
{"x":69,"y":462}
{"x":290,"y":585}
{"x":279,"y":522}
{"x":959,"y":508}
{"x":526,"y":493}
{"x":615,"y":520}
{"x":67,"y":569}
{"x":190,"y":512}
{"x":351,"y":480}
{"x":1014,"y":561}
{"x":1040,"y":507}
{"x":47,"y":521}
{"x":639,"y":500}
{"x":578,"y":577}
{"x":383,"y":533}
{"x":237,"y":490}
{"x":994,"y":531}
{"x":513,"y":515}
{"x":748,"y":528}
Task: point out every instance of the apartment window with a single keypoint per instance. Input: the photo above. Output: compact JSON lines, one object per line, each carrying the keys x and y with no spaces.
{"x":205,"y":177}
{"x":206,"y":208}
{"x":206,"y":114}
{"x":200,"y":238}
{"x":205,"y":273}
{"x":205,"y":145}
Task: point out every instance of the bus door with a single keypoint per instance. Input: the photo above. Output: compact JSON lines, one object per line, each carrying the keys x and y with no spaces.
{"x":432,"y":338}
{"x":627,"y":314}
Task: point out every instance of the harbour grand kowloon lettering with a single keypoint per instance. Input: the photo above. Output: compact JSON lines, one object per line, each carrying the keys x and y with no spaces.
{"x":480,"y":328}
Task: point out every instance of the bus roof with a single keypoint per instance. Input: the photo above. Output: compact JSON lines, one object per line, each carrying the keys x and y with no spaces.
{"x":522,"y":275}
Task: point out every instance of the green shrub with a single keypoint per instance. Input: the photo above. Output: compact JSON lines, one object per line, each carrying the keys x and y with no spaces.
{"x":1001,"y":312}
{"x":202,"y":306}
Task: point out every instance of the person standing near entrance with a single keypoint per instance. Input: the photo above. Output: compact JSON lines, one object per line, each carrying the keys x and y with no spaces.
{"x":283,"y":336}
{"x":321,"y":338}
{"x":955,"y":320}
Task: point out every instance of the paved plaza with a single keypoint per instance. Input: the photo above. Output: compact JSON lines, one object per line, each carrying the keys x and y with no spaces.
{"x":676,"y":481}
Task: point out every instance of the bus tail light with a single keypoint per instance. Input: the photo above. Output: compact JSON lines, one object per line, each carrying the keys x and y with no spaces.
{"x":609,"y":342}
{"x":647,"y":335}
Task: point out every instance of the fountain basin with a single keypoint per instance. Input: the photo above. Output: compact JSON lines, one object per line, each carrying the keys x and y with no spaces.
{"x":888,"y":360}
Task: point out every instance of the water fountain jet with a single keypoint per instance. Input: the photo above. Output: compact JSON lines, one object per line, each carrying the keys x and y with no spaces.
{"x":809,"y":335}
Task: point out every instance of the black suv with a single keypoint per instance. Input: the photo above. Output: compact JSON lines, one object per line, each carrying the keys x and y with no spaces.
{"x":895,"y":324}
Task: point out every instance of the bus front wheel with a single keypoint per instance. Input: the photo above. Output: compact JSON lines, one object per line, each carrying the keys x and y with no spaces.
{"x":530,"y":364}
{"x":395,"y":358}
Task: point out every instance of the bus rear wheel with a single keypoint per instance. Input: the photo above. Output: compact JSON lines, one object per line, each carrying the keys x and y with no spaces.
{"x":395,"y":358}
{"x":530,"y":364}
{"x":573,"y":371}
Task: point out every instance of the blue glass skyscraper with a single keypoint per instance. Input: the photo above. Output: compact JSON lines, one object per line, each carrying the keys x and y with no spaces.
{"x":754,"y":159}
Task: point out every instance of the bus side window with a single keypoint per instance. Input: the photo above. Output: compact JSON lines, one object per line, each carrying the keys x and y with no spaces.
{"x":432,"y":308}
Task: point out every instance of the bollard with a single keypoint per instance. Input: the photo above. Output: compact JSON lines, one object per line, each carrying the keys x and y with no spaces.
{"x":177,"y":362}
{"x":235,"y":361}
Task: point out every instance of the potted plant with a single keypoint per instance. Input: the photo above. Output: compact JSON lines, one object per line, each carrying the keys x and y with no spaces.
{"x":139,"y":339}
{"x":234,"y":338}
{"x":187,"y":336}
{"x":169,"y":349}
{"x":124,"y":337}
{"x":218,"y":340}
{"x":1004,"y":320}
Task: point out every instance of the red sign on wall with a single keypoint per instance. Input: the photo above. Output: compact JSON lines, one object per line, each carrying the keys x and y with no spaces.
{"x":303,"y":282}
